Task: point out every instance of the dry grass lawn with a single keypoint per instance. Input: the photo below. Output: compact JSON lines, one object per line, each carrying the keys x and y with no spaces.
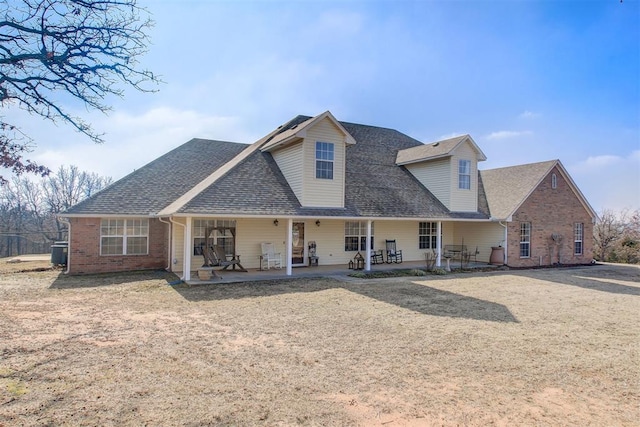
{"x":541,"y":347}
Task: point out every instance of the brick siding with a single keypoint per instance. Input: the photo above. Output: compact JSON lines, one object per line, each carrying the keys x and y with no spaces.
{"x":551,"y":211}
{"x":84,"y":249}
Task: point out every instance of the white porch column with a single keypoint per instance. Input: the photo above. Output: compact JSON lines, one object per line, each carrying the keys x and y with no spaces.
{"x":289,"y":245}
{"x":367,"y":259}
{"x":506,"y":244}
{"x":439,"y":244}
{"x":188,"y":245}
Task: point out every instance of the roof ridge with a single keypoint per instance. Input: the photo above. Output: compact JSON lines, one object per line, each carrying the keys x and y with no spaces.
{"x":521,"y":165}
{"x":177,"y":204}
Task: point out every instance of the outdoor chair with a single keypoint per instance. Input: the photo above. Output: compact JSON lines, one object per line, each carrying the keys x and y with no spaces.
{"x":269,"y":256}
{"x":223,"y":260}
{"x":377,"y":257}
{"x":393,"y":254}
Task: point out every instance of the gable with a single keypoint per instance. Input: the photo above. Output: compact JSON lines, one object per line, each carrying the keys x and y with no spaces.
{"x":508,"y":188}
{"x":437,"y":150}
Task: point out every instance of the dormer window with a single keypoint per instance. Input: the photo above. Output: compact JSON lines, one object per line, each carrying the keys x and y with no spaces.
{"x":464,"y":174}
{"x":324,"y":160}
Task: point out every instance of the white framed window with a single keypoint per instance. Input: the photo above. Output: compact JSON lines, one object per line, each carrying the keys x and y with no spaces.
{"x":554,"y":180}
{"x":223,"y":232}
{"x":525,"y":239}
{"x":355,"y":236}
{"x":578,"y":237}
{"x":427,"y":235}
{"x":464,"y":174}
{"x":324,"y":160}
{"x":124,"y":236}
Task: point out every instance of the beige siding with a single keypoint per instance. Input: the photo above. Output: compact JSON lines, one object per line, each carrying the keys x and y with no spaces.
{"x":289,"y":160}
{"x":478,"y":235}
{"x":436,"y":176}
{"x":177,"y":257}
{"x":251,"y":232}
{"x":323,"y":192}
{"x":464,"y":200}
{"x":329,"y":238}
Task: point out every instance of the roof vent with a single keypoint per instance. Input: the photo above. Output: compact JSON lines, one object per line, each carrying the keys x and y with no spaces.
{"x":436,"y":144}
{"x":293,"y":127}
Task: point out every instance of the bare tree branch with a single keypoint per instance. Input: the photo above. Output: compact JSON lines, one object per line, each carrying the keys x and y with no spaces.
{"x":84,"y":48}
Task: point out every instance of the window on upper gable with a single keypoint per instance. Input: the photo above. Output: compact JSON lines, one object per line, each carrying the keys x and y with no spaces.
{"x":464,"y":174}
{"x":554,"y":180}
{"x":324,"y":160}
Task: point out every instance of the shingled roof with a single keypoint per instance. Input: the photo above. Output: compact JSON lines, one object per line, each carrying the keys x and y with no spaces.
{"x":507,"y":188}
{"x":157,"y":184}
{"x":375,"y":186}
{"x":435,"y":150}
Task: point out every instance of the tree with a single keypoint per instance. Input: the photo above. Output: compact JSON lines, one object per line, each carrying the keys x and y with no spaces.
{"x":606,"y":232}
{"x":29,"y":209}
{"x":617,"y":236}
{"x":50,"y":49}
{"x":68,"y":187}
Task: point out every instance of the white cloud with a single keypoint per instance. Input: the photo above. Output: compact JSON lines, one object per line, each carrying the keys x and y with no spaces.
{"x":609,"y":181}
{"x":131,"y":141}
{"x":528,"y":115}
{"x":508,"y":134}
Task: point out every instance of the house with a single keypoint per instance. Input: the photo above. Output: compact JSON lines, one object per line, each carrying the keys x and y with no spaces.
{"x":347,"y":187}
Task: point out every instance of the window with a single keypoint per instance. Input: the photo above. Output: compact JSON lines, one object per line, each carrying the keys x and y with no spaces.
{"x":525,"y":240}
{"x":554,"y":180}
{"x":464,"y":174}
{"x":355,"y":236}
{"x":222,"y":232}
{"x":427,"y":235}
{"x":324,"y":160}
{"x":124,"y":237}
{"x":578,"y":236}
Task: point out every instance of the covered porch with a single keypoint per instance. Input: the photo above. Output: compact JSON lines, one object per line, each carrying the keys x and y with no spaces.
{"x":329,"y":243}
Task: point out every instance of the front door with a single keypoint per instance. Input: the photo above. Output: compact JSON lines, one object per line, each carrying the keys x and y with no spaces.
{"x":297,"y":244}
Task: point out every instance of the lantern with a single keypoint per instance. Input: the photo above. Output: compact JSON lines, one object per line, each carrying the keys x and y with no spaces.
{"x":359,"y":261}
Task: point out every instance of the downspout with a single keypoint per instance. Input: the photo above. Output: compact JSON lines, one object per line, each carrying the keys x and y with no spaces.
{"x":66,"y":221}
{"x":367,"y":260}
{"x":184,"y":261}
{"x":170,"y":249}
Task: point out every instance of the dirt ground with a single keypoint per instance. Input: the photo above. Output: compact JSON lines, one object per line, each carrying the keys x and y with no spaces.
{"x":540,"y":347}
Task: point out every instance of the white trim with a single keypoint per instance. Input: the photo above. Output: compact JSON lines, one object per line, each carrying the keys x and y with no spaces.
{"x":367,"y":261}
{"x":439,"y":245}
{"x":188,"y":248}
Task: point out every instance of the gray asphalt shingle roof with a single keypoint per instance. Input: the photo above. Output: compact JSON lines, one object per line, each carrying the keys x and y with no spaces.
{"x":506,"y":188}
{"x":375,"y":186}
{"x":157,"y":184}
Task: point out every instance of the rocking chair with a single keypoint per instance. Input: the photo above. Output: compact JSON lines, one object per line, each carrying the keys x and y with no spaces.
{"x":393,"y":254}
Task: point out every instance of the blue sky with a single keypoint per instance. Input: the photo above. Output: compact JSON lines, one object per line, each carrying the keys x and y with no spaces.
{"x":528,"y":80}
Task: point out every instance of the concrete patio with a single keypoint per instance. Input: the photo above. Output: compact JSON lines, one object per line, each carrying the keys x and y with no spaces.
{"x":335,"y":271}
